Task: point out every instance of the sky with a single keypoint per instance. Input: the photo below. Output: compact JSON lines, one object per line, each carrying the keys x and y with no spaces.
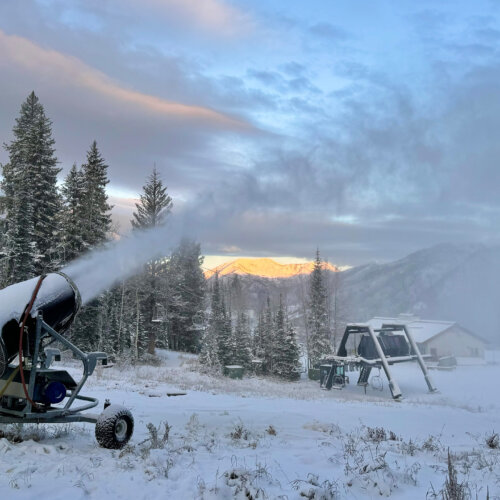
{"x":365,"y":128}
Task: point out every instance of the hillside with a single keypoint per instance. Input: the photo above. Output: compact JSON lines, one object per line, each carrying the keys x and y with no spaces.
{"x":265,"y":268}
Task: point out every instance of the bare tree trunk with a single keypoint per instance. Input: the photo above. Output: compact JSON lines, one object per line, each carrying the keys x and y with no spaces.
{"x":304,"y":313}
{"x":99,"y":326}
{"x":119,"y":336}
{"x":136,"y":340}
{"x":152,"y":341}
{"x":152,"y":305}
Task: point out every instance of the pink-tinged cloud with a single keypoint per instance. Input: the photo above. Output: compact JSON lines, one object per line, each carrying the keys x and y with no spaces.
{"x":72,"y":72}
{"x":214,"y":16}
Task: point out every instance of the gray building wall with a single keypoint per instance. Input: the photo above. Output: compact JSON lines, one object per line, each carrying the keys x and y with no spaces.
{"x":454,"y":342}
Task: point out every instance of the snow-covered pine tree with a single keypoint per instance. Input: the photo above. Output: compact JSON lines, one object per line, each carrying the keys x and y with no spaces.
{"x":95,"y":217}
{"x":268,"y":339}
{"x":258,"y":340}
{"x":241,"y":342}
{"x":280,"y":366}
{"x":186,"y":291}
{"x":20,"y":250}
{"x":3,"y":252}
{"x":219,"y":322}
{"x":151,"y":211}
{"x":72,"y":216}
{"x":32,"y":202}
{"x":211,"y":354}
{"x":155,"y":204}
{"x":319,"y":335}
{"x":291,"y":354}
{"x":96,"y":213}
{"x":125,"y":296}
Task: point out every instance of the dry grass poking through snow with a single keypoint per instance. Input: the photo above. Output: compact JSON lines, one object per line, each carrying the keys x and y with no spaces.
{"x":242,"y":444}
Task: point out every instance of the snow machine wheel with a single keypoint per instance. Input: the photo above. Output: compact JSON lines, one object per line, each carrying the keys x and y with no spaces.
{"x":114,"y":427}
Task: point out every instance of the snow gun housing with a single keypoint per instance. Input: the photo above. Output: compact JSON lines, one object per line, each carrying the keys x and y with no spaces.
{"x":364,"y":348}
{"x":35,"y":314}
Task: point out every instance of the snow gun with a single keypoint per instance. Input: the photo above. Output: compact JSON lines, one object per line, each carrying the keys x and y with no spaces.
{"x":34,"y":315}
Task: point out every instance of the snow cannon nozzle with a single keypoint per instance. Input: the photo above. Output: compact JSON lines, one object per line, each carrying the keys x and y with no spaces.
{"x":57,"y":300}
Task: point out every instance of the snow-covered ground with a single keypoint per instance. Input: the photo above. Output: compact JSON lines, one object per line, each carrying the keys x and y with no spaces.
{"x":266,"y":439}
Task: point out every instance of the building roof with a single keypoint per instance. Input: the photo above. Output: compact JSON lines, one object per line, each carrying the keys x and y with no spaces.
{"x":421,"y":329}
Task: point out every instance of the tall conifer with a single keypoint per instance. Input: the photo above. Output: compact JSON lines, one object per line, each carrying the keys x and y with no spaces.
{"x":32,"y":202}
{"x":185,"y":297}
{"x":96,"y":213}
{"x":72,"y":216}
{"x":151,"y":211}
{"x":318,"y":344}
{"x":242,"y":351}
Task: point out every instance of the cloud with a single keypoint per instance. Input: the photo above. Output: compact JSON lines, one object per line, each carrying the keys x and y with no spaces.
{"x":373,"y":151}
{"x":329,"y":32}
{"x":70,"y":71}
{"x":212,"y":16}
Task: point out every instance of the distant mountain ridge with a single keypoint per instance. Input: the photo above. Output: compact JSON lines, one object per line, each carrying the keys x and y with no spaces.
{"x":449,"y":282}
{"x":265,"y":268}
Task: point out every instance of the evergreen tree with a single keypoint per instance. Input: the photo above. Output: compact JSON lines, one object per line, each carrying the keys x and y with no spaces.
{"x":219,"y":323}
{"x":318,"y":344}
{"x":93,"y":214}
{"x":241,"y":344}
{"x":155,"y":204}
{"x":32,"y":202}
{"x":72,"y":221}
{"x":268,"y":339}
{"x":291,"y":355}
{"x":96,"y":213}
{"x":279,"y":367}
{"x":186,"y":290}
{"x":209,"y":354}
{"x":259,"y":341}
{"x":151,"y":212}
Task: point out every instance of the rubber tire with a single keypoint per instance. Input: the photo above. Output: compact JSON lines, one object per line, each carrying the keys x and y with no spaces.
{"x":105,"y":427}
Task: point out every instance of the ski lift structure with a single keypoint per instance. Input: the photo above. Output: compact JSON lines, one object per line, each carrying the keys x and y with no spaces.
{"x":159,"y":313}
{"x":364,"y":348}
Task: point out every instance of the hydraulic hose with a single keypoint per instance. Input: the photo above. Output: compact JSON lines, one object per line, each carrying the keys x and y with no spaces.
{"x":21,"y":332}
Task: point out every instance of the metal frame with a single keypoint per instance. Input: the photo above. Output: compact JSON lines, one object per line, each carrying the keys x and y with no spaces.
{"x":383,"y":361}
{"x":39,"y":364}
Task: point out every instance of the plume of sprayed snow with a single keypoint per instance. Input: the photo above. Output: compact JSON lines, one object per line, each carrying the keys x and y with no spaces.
{"x":101,"y":269}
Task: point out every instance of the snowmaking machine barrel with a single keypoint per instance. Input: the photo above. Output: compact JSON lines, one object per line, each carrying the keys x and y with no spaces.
{"x":33,"y":315}
{"x":58,"y":300}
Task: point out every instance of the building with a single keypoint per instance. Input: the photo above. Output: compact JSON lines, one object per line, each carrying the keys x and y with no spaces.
{"x":439,"y":338}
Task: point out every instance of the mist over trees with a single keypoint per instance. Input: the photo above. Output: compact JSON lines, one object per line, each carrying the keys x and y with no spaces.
{"x":168,"y":304}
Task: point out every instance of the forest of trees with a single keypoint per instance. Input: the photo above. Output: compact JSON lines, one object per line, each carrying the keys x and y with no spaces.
{"x":44,"y":227}
{"x":168,"y":304}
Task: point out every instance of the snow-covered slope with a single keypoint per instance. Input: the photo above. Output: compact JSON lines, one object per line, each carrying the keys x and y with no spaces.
{"x":406,"y":285}
{"x":257,"y":438}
